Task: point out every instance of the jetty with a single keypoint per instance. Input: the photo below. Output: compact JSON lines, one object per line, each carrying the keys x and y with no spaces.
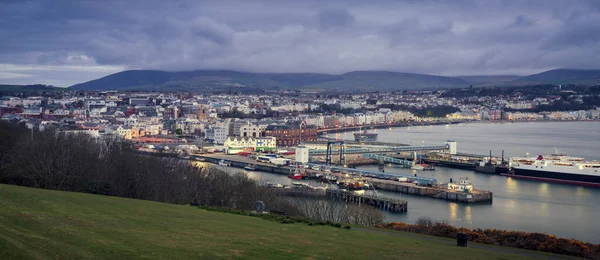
{"x":382,"y":203}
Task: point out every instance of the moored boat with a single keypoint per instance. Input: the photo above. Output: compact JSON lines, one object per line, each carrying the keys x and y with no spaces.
{"x":417,"y":167}
{"x":297,"y":176}
{"x":224,"y":163}
{"x":250,"y":167}
{"x":353,"y":185}
{"x":363,"y":136}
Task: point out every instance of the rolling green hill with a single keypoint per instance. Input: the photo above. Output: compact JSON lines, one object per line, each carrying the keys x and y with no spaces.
{"x":45,"y":224}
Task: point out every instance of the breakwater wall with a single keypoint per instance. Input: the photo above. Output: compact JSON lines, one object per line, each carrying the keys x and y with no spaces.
{"x":382,"y":203}
{"x":476,"y":196}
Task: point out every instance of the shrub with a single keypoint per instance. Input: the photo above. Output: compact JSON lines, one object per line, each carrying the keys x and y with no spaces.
{"x":532,"y":241}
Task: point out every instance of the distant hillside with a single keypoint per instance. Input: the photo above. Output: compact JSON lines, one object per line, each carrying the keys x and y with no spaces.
{"x":222,"y":80}
{"x":385,"y":81}
{"x":6,"y":88}
{"x":489,"y":80}
{"x":211,"y":80}
{"x":199,"y":80}
{"x":564,"y":76}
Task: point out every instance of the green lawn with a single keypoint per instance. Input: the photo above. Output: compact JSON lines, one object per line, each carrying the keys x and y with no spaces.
{"x":44,"y":224}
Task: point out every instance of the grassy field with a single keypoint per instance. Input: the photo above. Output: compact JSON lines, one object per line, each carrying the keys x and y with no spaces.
{"x":43,"y":224}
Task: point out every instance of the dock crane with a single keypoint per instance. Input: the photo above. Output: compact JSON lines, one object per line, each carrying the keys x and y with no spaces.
{"x":329,"y":154}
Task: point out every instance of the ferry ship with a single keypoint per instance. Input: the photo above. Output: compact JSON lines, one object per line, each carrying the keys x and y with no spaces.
{"x":556,"y":168}
{"x":363,"y":136}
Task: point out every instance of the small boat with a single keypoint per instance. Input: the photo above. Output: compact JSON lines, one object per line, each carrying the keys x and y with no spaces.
{"x":362,"y":136}
{"x":418,"y":167}
{"x":328,"y":178}
{"x":353,"y":185}
{"x":296,"y":176}
{"x":428,"y":167}
{"x":273,"y":185}
{"x":198,"y":158}
{"x":297,"y":185}
{"x":224,"y":163}
{"x":250,"y":167}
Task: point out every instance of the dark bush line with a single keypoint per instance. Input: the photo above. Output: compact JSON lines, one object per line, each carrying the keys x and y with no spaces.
{"x":55,"y":160}
{"x":524,"y":240}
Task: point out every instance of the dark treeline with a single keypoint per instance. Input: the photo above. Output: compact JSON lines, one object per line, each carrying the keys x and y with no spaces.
{"x":526,"y":91}
{"x":429,"y":111}
{"x":55,"y":160}
{"x":78,"y":162}
{"x":565,"y":104}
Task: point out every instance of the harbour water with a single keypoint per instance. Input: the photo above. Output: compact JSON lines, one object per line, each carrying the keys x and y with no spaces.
{"x":563,"y":210}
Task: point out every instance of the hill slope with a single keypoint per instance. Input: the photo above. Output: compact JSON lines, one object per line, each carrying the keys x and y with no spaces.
{"x":385,"y":81}
{"x":489,"y":80}
{"x":564,"y":76}
{"x":199,"y":80}
{"x":44,"y":224}
{"x":5,"y":88}
{"x":217,"y":79}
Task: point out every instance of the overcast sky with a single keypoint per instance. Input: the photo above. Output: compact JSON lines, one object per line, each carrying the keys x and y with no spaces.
{"x":66,"y":42}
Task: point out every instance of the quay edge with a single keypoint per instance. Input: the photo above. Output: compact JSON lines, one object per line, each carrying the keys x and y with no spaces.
{"x":477,"y":196}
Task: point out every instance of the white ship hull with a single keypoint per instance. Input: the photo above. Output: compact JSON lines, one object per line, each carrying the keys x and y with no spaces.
{"x":561,"y":169}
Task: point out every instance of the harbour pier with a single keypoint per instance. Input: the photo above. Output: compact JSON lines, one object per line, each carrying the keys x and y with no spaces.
{"x":382,"y":203}
{"x":418,"y":186}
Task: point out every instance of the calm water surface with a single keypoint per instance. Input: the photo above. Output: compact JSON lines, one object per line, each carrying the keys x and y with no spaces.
{"x":563,"y":210}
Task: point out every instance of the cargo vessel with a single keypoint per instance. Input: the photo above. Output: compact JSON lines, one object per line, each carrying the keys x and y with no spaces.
{"x":364,"y":136}
{"x":556,"y":168}
{"x":492,"y":166}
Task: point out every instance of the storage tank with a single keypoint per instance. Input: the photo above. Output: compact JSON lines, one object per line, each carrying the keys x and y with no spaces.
{"x":451,"y":146}
{"x":301,"y":154}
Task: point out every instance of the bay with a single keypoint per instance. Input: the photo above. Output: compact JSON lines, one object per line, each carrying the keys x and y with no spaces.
{"x":522,"y":205}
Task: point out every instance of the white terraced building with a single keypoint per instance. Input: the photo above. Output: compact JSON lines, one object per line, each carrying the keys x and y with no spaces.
{"x":236,"y":144}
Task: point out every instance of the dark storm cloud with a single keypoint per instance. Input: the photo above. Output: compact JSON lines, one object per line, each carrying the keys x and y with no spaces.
{"x":332,"y":18}
{"x":522,"y":21}
{"x":43,"y":39}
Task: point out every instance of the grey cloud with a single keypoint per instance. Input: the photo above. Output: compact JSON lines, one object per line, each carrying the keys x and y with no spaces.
{"x":212,"y":30}
{"x":438,"y":37}
{"x":577,"y":32}
{"x":334,"y":18}
{"x":522,"y":21}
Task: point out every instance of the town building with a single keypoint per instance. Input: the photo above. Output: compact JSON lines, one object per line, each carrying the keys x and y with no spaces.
{"x":292,"y":133}
{"x":236,"y":144}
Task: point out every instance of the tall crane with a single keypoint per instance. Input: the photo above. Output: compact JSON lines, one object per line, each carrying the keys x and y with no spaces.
{"x":329,"y":154}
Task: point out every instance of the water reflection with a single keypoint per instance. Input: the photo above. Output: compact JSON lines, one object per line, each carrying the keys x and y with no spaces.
{"x":543,"y":190}
{"x":452,"y":210}
{"x":582,"y":192}
{"x":468,"y":217}
{"x":512,"y":185}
